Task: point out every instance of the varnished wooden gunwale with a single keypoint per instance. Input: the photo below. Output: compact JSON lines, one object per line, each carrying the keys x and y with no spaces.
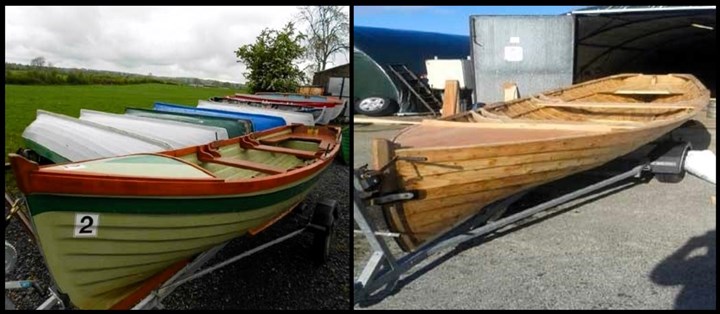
{"x":478,"y":174}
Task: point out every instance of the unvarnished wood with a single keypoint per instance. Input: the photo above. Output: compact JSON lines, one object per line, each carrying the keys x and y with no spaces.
{"x":459,"y":164}
{"x":450,"y":98}
{"x":611,"y":105}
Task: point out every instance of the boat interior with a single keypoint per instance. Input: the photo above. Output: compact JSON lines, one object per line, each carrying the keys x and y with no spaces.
{"x":239,"y":158}
{"x":248,"y":157}
{"x":613,"y":104}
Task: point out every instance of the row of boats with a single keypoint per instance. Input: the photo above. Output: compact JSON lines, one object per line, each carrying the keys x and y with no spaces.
{"x":96,"y":134}
{"x":128,"y":199}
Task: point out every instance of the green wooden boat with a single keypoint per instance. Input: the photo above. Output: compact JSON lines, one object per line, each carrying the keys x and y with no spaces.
{"x":234,"y":127}
{"x":113,"y":229}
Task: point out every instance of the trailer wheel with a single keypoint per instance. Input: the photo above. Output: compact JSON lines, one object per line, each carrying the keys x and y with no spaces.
{"x":670,"y":177}
{"x":323,"y":226}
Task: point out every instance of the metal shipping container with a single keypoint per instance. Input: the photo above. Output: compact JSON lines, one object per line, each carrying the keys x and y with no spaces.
{"x":534,"y":52}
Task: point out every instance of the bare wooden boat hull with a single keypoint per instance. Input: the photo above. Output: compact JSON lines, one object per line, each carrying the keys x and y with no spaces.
{"x":510,"y":147}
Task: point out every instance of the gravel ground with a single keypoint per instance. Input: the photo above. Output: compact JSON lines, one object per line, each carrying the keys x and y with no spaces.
{"x":635,"y":246}
{"x":280,"y":277}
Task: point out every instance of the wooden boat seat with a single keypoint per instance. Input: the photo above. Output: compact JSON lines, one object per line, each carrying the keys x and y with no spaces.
{"x":324,"y":143}
{"x":207,"y":153}
{"x":248,"y":143}
{"x":247,"y":165}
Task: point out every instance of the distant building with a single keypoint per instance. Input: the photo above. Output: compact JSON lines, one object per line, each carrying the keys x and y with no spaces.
{"x":321,"y":78}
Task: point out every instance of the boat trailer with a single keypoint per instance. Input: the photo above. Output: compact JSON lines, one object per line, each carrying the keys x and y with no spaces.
{"x":384,"y":269}
{"x":321,"y":224}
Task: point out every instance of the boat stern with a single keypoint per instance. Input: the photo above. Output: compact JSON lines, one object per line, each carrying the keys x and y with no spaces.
{"x":390,"y":192}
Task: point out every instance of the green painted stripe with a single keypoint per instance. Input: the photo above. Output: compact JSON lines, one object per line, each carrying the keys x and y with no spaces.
{"x":40,"y":203}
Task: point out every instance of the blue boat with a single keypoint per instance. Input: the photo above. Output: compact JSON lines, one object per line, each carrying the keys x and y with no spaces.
{"x":259,"y":121}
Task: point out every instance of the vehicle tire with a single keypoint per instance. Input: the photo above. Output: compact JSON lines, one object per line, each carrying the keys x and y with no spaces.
{"x":323,"y":220}
{"x":670,"y":177}
{"x":376,"y":106}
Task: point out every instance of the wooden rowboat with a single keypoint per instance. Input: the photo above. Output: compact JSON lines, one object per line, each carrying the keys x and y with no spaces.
{"x":260,"y":122}
{"x":289,"y":116}
{"x":331,"y":107}
{"x":62,"y":138}
{"x":107,"y":226}
{"x":462,"y":163}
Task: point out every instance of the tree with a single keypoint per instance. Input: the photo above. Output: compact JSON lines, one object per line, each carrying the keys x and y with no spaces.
{"x":270,"y":60}
{"x":38,"y":62}
{"x":327,"y":33}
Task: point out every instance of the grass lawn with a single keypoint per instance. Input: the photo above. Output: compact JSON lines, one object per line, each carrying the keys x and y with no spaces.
{"x":22,"y":101}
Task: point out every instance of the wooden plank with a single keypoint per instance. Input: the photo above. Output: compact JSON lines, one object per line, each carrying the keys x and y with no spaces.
{"x":451,"y":98}
{"x":614,"y":105}
{"x":246,"y":165}
{"x":409,"y":169}
{"x":382,"y":121}
{"x":526,"y":125}
{"x":642,"y":92}
{"x":508,"y":149}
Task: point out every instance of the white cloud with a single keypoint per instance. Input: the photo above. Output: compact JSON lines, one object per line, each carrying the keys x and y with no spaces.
{"x":167,"y":41}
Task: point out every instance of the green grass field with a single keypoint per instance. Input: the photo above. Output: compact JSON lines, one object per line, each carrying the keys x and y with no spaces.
{"x":22,"y":101}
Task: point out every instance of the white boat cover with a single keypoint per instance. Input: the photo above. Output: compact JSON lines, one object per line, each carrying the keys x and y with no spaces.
{"x":77,"y":140}
{"x":177,"y":134}
{"x":290,"y":117}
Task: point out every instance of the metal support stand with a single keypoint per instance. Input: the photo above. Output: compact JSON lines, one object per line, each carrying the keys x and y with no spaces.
{"x":384,"y":269}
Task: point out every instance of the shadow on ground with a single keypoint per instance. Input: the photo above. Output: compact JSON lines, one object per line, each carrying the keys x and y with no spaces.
{"x":696,"y":273}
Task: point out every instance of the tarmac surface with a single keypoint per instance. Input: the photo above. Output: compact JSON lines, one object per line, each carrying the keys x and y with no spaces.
{"x":633,"y":246}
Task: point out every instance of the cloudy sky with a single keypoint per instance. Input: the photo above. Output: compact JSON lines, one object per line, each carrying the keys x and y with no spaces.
{"x":165,"y":41}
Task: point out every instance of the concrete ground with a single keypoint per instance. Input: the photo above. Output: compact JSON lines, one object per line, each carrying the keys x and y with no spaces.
{"x":635,"y":246}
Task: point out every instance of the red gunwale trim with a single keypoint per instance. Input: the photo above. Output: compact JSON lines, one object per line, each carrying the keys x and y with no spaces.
{"x":305,"y":103}
{"x":31,"y":178}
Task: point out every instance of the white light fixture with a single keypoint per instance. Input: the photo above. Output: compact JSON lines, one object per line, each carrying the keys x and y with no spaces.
{"x":701,"y":26}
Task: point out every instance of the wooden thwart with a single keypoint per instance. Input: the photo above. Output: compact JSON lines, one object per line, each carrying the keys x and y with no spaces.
{"x":246,"y":165}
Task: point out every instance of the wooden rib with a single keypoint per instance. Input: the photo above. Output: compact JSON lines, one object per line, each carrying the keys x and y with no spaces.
{"x":245,"y":164}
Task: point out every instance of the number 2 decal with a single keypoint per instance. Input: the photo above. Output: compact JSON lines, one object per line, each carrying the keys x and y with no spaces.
{"x":86,"y":225}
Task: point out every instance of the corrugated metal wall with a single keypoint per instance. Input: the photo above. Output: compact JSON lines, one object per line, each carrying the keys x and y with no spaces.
{"x":535,"y":52}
